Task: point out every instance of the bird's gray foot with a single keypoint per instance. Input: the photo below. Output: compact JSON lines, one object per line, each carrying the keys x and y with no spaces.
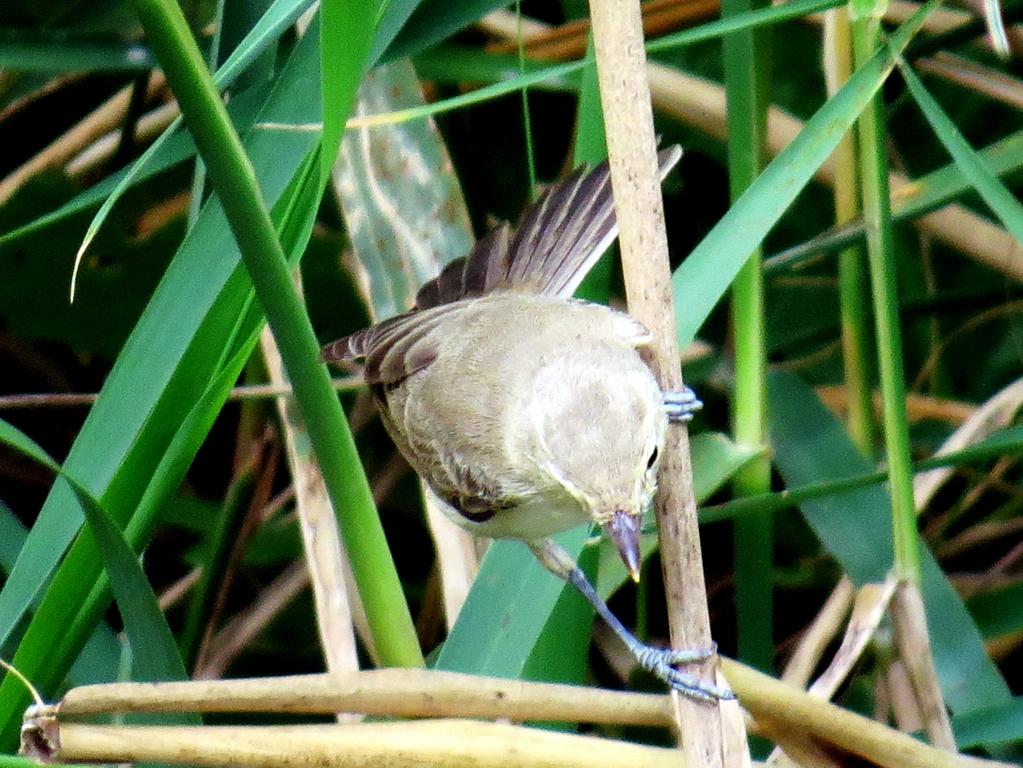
{"x":658,"y":661}
{"x":681,"y":405}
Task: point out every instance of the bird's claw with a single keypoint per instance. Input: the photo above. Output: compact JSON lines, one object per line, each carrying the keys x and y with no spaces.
{"x":684,"y":655}
{"x":659,"y":662}
{"x":681,"y":405}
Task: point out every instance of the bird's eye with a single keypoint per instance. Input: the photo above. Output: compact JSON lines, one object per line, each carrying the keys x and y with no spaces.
{"x":653,"y":458}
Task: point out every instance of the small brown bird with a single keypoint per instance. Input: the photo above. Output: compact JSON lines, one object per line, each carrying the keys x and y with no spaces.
{"x":528,"y":412}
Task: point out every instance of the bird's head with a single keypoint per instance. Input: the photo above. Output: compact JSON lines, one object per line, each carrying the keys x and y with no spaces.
{"x":600,"y":423}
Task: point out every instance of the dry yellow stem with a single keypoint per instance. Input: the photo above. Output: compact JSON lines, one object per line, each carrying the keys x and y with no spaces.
{"x":104,"y":118}
{"x":783,"y":713}
{"x":818,"y":636}
{"x":325,"y":556}
{"x":397,"y":692}
{"x":441,"y":743}
{"x":103,"y":149}
{"x":907,"y":611}
{"x":797,"y":721}
{"x":918,"y":407}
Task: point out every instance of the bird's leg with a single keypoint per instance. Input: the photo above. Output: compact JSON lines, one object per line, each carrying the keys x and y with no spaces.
{"x":657,"y":661}
{"x":681,"y":405}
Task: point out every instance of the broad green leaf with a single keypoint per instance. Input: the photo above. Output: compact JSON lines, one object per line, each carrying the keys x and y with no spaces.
{"x":12,"y":537}
{"x":430,"y":22}
{"x":855,"y":528}
{"x":166,"y":478}
{"x":703,"y":278}
{"x":923,"y":195}
{"x":1005,"y":442}
{"x":508,"y":609}
{"x":1004,"y":204}
{"x":99,"y":658}
{"x":990,"y":726}
{"x":128,"y":420}
{"x":182,"y":339}
{"x":156,"y":652}
{"x":998,"y":612}
{"x":54,"y":52}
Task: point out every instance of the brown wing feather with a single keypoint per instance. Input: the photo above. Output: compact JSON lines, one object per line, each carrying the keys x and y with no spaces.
{"x":394,"y":349}
{"x":558,"y":240}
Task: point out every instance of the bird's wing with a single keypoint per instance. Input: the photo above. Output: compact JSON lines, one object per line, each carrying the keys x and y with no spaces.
{"x":559,"y":239}
{"x":396,"y":348}
{"x":469,"y":492}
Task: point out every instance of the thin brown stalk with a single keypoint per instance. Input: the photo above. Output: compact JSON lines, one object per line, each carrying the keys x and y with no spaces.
{"x":979,"y":535}
{"x":74,"y":399}
{"x":996,"y":413}
{"x":278,"y":502}
{"x":160,"y":215}
{"x":176,"y":591}
{"x":632,"y":151}
{"x":870,"y":607}
{"x":263,"y":463}
{"x":19,"y":103}
{"x":982,"y":483}
{"x":995,"y":480}
{"x":910,"y":623}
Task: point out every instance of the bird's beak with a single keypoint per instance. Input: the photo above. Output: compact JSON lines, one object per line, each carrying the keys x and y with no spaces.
{"x":624,"y":529}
